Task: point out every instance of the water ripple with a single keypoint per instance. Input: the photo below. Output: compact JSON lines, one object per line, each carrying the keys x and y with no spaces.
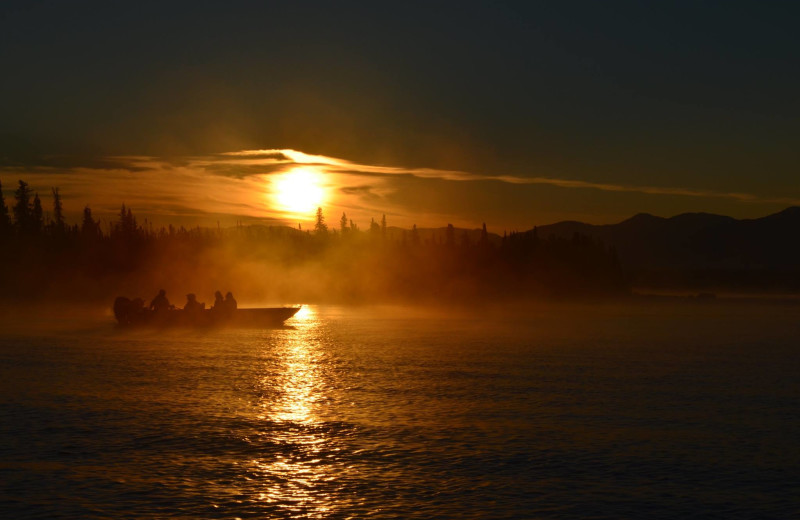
{"x":341,"y":417}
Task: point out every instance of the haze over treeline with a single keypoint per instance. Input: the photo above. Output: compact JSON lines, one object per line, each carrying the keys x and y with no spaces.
{"x":44,"y":256}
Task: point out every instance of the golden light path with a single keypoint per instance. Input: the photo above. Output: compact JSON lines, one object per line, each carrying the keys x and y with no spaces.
{"x":299,"y":190}
{"x":294,"y":479}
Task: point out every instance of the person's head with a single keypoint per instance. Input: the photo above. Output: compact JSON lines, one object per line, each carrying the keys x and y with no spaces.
{"x":229,"y":295}
{"x":218,"y":295}
{"x":191,"y":297}
{"x":162,"y":292}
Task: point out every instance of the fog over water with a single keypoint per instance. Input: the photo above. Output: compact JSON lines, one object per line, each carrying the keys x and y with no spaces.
{"x":645,"y":410}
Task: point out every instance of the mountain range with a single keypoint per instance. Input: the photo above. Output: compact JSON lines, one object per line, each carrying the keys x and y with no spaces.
{"x":697,"y":241}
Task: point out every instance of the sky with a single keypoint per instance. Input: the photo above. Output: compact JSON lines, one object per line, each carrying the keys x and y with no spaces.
{"x":511,"y":113}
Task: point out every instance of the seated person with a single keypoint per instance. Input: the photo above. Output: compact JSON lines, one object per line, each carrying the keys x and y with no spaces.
{"x":219,"y":302}
{"x":160,"y":302}
{"x":230,"y":303}
{"x":192,"y":305}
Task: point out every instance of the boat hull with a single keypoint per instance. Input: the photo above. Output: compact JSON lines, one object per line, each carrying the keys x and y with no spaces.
{"x":258,"y":317}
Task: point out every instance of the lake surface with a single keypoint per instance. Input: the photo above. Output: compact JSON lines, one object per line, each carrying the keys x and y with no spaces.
{"x":635,"y":411}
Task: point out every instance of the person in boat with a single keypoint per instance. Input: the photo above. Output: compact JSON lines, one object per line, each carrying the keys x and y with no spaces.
{"x":192,"y":305}
{"x":230,"y":303}
{"x":160,"y":303}
{"x":219,"y":302}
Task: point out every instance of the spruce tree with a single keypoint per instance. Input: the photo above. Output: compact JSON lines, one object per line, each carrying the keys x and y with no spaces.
{"x":58,"y":213}
{"x":414,"y":235}
{"x":450,"y":236}
{"x":130,"y":223}
{"x":37,"y":220}
{"x":22,"y":208}
{"x":320,"y":227}
{"x":5,"y":223}
{"x":88,"y":225}
{"x":123,"y":218}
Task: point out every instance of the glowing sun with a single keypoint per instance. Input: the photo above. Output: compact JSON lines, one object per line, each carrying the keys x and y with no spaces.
{"x":299,"y":191}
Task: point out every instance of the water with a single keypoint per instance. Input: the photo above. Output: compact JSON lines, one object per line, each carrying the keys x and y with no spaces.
{"x":558,"y":412}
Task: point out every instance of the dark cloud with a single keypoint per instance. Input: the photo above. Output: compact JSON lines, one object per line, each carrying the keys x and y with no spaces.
{"x":241,"y":171}
{"x":356,"y":190}
{"x":64,"y":163}
{"x":370,"y":172}
{"x":272,"y":155}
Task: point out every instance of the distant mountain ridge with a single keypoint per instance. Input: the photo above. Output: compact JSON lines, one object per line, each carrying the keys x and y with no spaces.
{"x":697,"y":241}
{"x":684,"y":242}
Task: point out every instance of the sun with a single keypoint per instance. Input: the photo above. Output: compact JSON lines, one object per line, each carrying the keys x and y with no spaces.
{"x":299,"y":190}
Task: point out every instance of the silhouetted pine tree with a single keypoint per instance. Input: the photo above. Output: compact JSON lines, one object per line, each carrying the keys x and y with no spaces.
{"x":320,"y":228}
{"x":22,"y":209}
{"x":89,"y":228}
{"x":126,"y":227}
{"x":374,"y":228}
{"x":5,"y":223}
{"x":37,"y":215}
{"x":130,"y":221}
{"x":58,"y":214}
{"x":414,"y":235}
{"x":343,"y":224}
{"x":484,"y":237}
{"x":450,"y":236}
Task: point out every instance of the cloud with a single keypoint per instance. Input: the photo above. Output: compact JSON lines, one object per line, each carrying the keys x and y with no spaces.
{"x":64,"y":164}
{"x":367,"y":193}
{"x":239,"y":184}
{"x":275,"y":155}
{"x":240,"y":171}
{"x":342,"y":166}
{"x":649,"y":190}
{"x":352,"y":190}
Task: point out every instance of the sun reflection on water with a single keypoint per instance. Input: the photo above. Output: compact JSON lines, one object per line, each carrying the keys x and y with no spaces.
{"x":299,"y":383}
{"x":304,"y":317}
{"x":297,"y":473}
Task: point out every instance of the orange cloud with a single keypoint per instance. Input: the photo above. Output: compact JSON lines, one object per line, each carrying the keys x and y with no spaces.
{"x":240,"y":185}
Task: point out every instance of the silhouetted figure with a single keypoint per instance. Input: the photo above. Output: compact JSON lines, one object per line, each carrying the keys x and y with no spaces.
{"x":160,"y":303}
{"x":219,"y":302}
{"x":128,"y":311}
{"x":192,"y":305}
{"x":230,"y":303}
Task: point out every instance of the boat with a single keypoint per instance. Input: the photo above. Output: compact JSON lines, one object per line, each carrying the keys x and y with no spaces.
{"x":130,"y":313}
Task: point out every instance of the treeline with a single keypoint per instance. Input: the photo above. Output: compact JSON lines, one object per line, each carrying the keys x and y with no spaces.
{"x":43,"y":256}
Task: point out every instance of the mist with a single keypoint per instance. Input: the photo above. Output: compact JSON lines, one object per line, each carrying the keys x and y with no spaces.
{"x":280,"y":265}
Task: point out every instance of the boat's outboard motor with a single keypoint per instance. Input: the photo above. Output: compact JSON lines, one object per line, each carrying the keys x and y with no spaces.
{"x":122,"y":310}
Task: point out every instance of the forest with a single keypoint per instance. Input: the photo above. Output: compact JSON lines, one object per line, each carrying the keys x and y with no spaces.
{"x":44,"y":257}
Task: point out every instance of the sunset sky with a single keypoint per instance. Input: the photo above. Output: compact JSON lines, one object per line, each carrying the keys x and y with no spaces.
{"x":513,"y":114}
